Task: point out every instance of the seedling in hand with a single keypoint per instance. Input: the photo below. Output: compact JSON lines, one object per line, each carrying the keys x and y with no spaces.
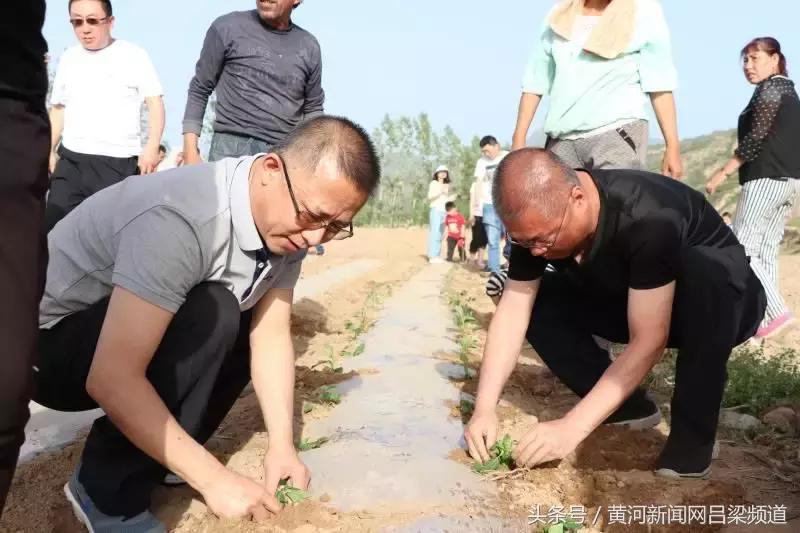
{"x":501,"y":457}
{"x":287,"y":495}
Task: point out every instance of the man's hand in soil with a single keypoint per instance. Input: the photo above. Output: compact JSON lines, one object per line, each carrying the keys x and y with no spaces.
{"x":235,"y":496}
{"x":481,"y":434}
{"x":547,"y":441}
{"x":281,"y":464}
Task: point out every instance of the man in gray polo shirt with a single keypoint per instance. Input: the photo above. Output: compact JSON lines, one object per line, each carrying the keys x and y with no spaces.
{"x":166,"y":293}
{"x":267,"y":74}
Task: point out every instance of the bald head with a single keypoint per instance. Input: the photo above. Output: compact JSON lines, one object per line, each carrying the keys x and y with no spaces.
{"x":532,"y":178}
{"x":337,"y":138}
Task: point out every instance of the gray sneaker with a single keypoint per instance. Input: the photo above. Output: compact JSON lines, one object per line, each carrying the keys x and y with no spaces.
{"x":97,"y":522}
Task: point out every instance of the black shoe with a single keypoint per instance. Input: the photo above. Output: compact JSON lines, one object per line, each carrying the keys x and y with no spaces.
{"x":637,"y":413}
{"x":684,"y":458}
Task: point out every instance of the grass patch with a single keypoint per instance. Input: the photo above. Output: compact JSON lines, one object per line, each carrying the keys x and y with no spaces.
{"x":501,"y":457}
{"x":757,"y":382}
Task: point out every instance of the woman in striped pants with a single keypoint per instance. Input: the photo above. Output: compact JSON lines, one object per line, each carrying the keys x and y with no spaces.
{"x":768,"y":160}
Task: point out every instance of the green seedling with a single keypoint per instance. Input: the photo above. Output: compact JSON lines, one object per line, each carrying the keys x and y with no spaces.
{"x":307,"y":444}
{"x":329,"y":395}
{"x":465,"y":345}
{"x":288,"y":495}
{"x":356,"y":330}
{"x":463,"y":316}
{"x":308,"y":407}
{"x":561,"y":527}
{"x":357,"y":350}
{"x":467,"y":407}
{"x":501,"y":457}
{"x":331,"y":362}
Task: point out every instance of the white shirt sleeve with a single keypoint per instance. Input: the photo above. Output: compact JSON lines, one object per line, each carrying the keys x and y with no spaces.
{"x":147,"y":77}
{"x":58,"y":96}
{"x":480,"y":169}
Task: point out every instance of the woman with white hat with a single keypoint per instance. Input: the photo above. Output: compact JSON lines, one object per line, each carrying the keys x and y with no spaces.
{"x":438,"y":196}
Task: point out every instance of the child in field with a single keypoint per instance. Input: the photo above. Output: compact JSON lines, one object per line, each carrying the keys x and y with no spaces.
{"x":455,"y":224}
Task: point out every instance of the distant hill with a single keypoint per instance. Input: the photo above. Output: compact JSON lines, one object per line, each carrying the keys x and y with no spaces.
{"x":702,"y":156}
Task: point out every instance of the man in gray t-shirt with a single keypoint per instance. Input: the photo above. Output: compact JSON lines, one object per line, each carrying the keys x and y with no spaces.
{"x":166,"y":293}
{"x":267,"y":74}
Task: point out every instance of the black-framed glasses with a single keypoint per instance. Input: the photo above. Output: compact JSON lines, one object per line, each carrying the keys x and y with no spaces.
{"x":540,"y":244}
{"x":334,"y":230}
{"x":91,"y":21}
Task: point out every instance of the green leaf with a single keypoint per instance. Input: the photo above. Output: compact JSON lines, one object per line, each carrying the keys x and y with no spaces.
{"x":307,"y":444}
{"x":557,"y":528}
{"x":308,"y":407}
{"x":288,"y":495}
{"x":329,"y":395}
{"x":358,"y":350}
{"x":501,"y":457}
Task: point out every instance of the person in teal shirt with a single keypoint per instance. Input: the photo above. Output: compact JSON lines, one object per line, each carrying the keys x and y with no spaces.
{"x":599,"y":61}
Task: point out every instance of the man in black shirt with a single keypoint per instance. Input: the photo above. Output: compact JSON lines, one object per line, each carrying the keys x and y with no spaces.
{"x":638,"y":259}
{"x":24,"y":147}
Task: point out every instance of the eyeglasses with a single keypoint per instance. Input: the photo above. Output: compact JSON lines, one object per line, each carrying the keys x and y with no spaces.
{"x":539,"y":244}
{"x":334,"y":231}
{"x":91,"y":21}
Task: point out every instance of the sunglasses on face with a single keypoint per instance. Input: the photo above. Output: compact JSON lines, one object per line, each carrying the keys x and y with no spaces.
{"x":91,"y":21}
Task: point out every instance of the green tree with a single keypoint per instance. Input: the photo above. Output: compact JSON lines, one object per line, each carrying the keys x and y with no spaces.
{"x":410,"y":150}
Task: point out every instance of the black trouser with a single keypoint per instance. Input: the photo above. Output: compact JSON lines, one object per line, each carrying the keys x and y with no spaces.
{"x":452,"y":243}
{"x":718,"y":304}
{"x":78,"y":176}
{"x":24,"y":145}
{"x":479,"y":239}
{"x":199,"y":370}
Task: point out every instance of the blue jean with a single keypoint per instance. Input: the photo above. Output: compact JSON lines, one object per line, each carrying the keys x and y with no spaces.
{"x":436,"y":233}
{"x":494,"y":231}
{"x":229,"y":145}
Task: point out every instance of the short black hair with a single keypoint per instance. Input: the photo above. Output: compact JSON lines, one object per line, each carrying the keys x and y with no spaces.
{"x":449,"y":205}
{"x":324,"y":135}
{"x":105,"y":3}
{"x":488,"y":139}
{"x":162,"y":148}
{"x":726,"y":214}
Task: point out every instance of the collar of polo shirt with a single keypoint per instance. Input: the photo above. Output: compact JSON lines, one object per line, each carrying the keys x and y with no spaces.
{"x":241,"y":212}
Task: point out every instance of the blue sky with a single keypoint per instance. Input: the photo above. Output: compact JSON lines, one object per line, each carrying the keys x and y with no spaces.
{"x":460,"y":61}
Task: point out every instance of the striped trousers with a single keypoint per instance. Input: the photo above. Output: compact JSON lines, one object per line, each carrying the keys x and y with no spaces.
{"x":760,"y":219}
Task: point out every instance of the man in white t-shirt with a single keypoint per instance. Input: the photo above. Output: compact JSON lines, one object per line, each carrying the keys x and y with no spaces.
{"x":97,"y":98}
{"x":485,"y":169}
